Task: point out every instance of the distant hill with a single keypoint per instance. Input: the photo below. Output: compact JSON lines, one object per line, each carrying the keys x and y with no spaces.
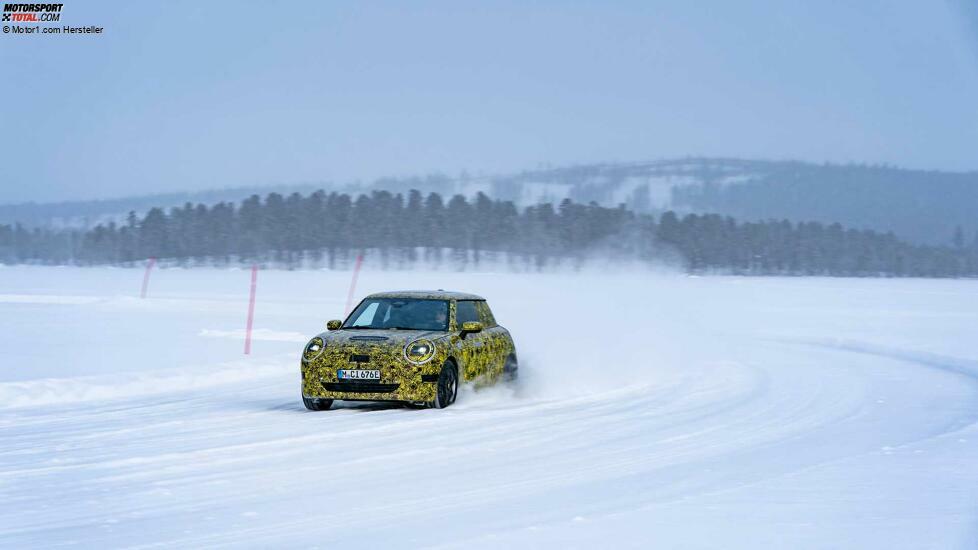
{"x":89,"y":213}
{"x":920,"y":206}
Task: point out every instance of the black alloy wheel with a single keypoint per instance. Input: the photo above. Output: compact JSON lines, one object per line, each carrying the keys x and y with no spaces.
{"x":447,"y":387}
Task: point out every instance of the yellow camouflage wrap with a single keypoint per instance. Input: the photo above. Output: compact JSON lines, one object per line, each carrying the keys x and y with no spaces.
{"x":479,"y":357}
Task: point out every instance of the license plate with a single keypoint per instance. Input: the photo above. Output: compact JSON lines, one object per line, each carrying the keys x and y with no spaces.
{"x":358,"y":374}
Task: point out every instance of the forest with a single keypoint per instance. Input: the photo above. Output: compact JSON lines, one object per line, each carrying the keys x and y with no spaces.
{"x":401,"y":230}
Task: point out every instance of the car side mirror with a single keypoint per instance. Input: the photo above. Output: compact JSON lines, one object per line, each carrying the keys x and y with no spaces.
{"x":335,"y":324}
{"x":471,"y":327}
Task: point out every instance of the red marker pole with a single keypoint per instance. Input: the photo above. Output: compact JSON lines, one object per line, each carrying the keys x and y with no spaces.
{"x":353,"y":283}
{"x":251,"y":308}
{"x":149,"y":267}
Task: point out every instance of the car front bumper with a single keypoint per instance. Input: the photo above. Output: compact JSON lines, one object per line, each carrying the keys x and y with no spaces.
{"x":415,"y":386}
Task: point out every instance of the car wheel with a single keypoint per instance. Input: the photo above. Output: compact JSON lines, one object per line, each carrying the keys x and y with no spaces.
{"x":447,"y":390}
{"x":314,"y":404}
{"x":511,"y":369}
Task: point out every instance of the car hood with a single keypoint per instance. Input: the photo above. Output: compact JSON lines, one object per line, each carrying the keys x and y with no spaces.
{"x":380,"y":337}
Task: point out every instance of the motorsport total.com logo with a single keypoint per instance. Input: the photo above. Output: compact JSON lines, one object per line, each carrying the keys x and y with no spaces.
{"x":39,"y":19}
{"x":32,"y":13}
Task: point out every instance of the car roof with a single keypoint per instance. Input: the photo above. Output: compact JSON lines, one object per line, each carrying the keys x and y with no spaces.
{"x":427,"y":295}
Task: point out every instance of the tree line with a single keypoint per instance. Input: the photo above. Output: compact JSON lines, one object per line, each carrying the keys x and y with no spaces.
{"x":328,"y":229}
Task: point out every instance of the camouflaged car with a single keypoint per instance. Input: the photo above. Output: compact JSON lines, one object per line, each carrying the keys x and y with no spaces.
{"x":411,"y":346}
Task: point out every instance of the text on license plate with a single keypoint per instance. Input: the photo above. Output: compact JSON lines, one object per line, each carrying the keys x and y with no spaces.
{"x":358,"y":374}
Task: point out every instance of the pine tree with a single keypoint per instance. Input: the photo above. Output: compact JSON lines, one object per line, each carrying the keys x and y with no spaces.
{"x":435,"y":228}
{"x":958,"y":239}
{"x":154,"y":235}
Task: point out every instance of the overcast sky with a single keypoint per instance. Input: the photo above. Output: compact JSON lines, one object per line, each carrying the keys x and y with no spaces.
{"x":199,"y":95}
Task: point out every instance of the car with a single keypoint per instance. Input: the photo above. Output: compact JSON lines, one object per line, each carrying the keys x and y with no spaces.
{"x":409,"y":346}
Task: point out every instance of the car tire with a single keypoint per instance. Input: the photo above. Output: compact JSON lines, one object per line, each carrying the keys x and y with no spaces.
{"x":446,"y":392}
{"x":511,"y":369}
{"x":314,"y":404}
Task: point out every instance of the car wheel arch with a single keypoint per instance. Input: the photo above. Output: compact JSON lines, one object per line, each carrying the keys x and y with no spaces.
{"x":454,"y":362}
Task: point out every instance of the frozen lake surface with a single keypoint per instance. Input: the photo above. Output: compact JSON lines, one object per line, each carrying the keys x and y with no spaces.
{"x":653,"y":410}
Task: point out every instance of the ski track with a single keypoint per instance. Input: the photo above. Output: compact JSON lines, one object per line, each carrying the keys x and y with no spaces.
{"x":794,"y":429}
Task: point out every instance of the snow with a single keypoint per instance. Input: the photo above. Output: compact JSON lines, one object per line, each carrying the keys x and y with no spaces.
{"x":654,"y":410}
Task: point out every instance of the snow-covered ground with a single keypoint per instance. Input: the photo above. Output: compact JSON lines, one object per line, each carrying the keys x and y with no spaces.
{"x":654,"y":410}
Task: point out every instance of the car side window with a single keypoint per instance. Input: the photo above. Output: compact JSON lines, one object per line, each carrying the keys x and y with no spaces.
{"x":465,"y":312}
{"x":485,"y":314}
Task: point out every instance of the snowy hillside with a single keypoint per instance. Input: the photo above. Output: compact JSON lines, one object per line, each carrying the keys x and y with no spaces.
{"x":654,"y":410}
{"x":920,"y":206}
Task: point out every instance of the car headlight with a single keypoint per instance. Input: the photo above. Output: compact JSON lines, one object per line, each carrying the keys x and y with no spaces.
{"x":313,"y":349}
{"x":419,"y":351}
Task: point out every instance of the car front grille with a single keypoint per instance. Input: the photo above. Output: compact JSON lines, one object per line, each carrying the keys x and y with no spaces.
{"x":360,"y":387}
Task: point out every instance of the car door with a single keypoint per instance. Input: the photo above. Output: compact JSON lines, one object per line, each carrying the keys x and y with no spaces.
{"x":496,"y":346}
{"x":473,"y":344}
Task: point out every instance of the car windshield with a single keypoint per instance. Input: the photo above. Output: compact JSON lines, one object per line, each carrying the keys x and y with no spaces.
{"x":399,"y":313}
